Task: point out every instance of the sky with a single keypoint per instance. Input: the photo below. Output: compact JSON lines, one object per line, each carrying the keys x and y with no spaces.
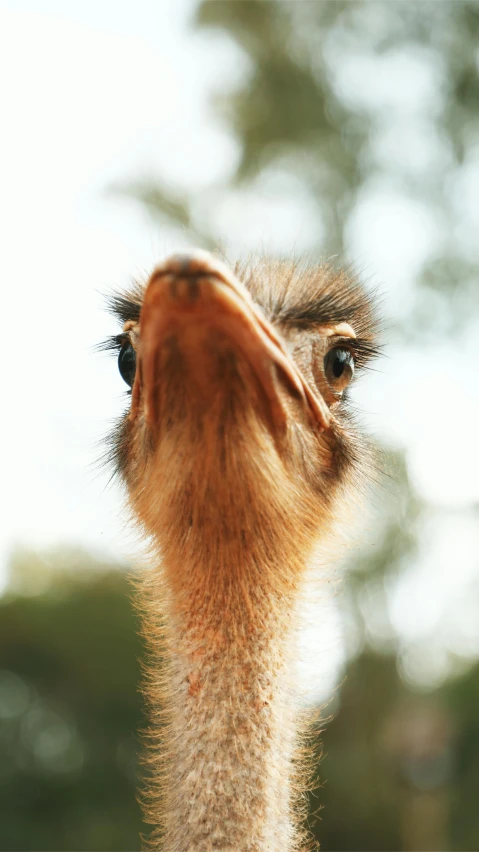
{"x":98,"y":93}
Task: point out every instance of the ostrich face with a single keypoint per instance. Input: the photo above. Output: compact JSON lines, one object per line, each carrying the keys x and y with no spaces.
{"x":219,"y":368}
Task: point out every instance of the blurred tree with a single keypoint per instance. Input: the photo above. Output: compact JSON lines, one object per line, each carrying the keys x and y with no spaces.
{"x":461,"y":697}
{"x":303,"y":109}
{"x":297,"y":109}
{"x":70,"y":708}
{"x":389,"y":764}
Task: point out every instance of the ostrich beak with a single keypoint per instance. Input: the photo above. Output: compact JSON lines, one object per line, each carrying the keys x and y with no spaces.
{"x":193,"y":295}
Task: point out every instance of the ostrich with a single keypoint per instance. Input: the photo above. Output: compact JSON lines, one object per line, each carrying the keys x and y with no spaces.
{"x":238,"y":453}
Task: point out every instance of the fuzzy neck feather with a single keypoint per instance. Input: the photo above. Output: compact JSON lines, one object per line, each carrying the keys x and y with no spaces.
{"x":222,"y":640}
{"x":231,"y":727}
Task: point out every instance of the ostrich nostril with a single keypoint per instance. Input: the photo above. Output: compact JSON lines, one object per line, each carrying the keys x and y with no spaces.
{"x":189,"y":264}
{"x":185,"y":263}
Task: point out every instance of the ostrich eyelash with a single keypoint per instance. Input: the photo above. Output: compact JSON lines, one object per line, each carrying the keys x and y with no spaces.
{"x":113,"y":343}
{"x":127,"y":306}
{"x":361,"y":349}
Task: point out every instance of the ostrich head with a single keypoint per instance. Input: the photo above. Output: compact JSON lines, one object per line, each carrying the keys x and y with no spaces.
{"x":255,"y":363}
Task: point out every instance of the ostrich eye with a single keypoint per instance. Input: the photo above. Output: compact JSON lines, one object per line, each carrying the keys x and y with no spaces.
{"x":127,"y":364}
{"x":339,"y":368}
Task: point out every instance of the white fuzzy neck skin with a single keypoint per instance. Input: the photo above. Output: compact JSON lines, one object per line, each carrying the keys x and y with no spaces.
{"x":231,"y":729}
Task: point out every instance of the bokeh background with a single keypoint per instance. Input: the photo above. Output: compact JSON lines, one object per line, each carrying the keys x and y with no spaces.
{"x":346,"y":130}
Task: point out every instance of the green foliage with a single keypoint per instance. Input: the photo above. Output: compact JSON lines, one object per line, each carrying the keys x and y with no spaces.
{"x":287,"y":112}
{"x":294,"y":111}
{"x":70,"y":713}
{"x":462,"y":700}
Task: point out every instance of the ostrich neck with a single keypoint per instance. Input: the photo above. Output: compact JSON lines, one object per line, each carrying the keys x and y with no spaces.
{"x":231,"y":723}
{"x":234,"y":528}
{"x":220,"y":621}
